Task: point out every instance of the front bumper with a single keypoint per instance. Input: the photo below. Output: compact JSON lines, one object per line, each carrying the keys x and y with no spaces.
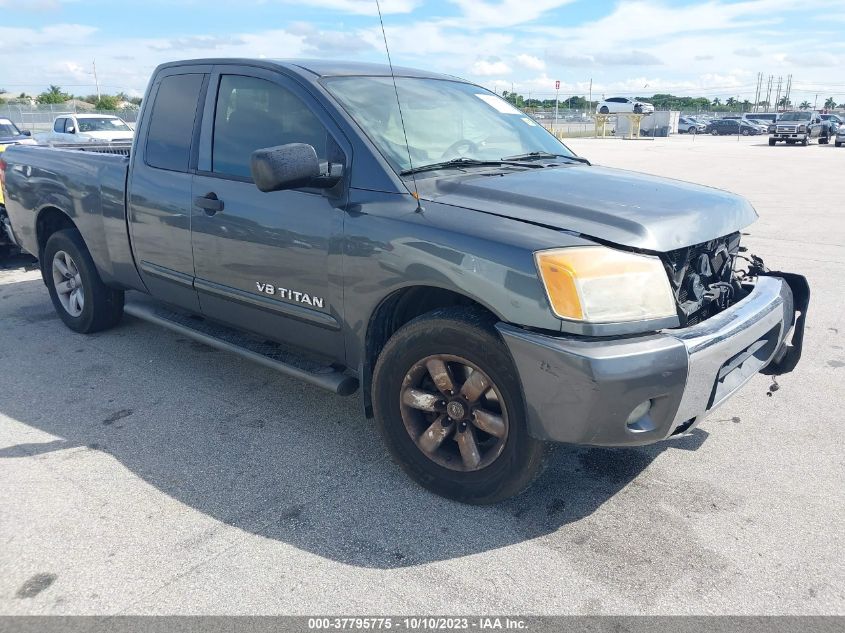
{"x":582,"y":391}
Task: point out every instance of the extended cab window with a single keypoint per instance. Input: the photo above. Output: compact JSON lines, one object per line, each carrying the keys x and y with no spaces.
{"x":59,"y":125}
{"x":172,"y":122}
{"x":255,"y":113}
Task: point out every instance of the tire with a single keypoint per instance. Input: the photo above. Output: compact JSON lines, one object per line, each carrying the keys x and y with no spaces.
{"x":66,"y":261}
{"x":805,"y":141}
{"x":824,"y":140}
{"x":466,"y":341}
{"x":772,"y":142}
{"x":692,"y":130}
{"x":745,"y":132}
{"x":604,"y":110}
{"x":837,"y":144}
{"x":714,"y":132}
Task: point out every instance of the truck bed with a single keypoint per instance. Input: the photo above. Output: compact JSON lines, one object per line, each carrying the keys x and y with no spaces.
{"x":87,"y":183}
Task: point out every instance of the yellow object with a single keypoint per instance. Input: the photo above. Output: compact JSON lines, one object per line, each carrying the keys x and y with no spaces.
{"x":2,"y":199}
{"x":596,"y":284}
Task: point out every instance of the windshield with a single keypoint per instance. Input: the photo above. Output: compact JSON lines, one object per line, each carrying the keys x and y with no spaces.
{"x":795,"y":116}
{"x":443,"y":119}
{"x":7,"y":128}
{"x":105,"y":124}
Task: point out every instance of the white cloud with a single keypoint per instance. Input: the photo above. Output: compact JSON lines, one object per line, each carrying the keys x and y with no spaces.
{"x":530,"y":62}
{"x":485,"y":68}
{"x":479,"y":14}
{"x":364,"y":7}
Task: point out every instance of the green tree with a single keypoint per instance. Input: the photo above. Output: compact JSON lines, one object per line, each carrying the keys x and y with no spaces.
{"x":805,"y":105}
{"x":830,"y":103}
{"x":717,"y":102}
{"x":53,"y":95}
{"x":784,"y":102}
{"x":106,"y":102}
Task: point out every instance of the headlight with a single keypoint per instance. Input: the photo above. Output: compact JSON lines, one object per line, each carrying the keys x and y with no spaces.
{"x":596,"y":284}
{"x":802,"y":128}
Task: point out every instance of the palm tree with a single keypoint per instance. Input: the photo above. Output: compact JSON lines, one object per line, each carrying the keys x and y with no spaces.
{"x":805,"y":105}
{"x":717,"y":102}
{"x":784,"y":102}
{"x":731,"y":103}
{"x":830,"y":104}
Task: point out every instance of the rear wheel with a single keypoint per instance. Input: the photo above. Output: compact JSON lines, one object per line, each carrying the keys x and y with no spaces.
{"x":80,"y":297}
{"x":448,"y":403}
{"x":837,"y":143}
{"x":745,"y":132}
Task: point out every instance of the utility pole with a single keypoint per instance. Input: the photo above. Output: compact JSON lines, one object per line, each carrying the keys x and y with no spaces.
{"x":788,"y":92}
{"x":757,"y":92}
{"x":777,"y":94}
{"x":769,"y":93}
{"x":590,"y":103}
{"x":816,"y":101}
{"x":557,"y":95}
{"x":96,"y":81}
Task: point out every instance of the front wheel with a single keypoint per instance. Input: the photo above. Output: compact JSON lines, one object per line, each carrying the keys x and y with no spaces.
{"x":80,"y":297}
{"x":772,"y":142}
{"x":837,"y":143}
{"x":448,"y":403}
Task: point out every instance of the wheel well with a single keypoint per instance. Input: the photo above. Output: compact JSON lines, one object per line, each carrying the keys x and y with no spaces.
{"x":395,"y":311}
{"x":49,"y":221}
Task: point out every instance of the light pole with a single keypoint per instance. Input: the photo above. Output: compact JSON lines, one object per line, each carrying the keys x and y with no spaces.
{"x":557,"y":94}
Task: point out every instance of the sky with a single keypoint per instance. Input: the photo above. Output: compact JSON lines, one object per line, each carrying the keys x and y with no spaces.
{"x":626,"y":47}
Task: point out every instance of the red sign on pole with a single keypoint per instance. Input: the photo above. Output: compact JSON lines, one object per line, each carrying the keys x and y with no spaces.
{"x":557,"y":85}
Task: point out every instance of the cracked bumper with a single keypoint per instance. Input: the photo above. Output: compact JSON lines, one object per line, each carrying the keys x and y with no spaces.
{"x":582,"y":391}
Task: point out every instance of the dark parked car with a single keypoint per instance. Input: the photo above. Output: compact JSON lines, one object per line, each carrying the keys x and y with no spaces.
{"x":733,"y":126}
{"x":487,"y":290}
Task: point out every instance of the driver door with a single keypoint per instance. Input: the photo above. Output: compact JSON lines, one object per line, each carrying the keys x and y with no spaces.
{"x":268,"y":262}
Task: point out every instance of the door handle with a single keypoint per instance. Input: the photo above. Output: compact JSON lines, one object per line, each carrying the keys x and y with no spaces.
{"x":209,"y":203}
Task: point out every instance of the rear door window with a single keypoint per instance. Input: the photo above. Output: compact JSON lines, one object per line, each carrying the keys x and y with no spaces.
{"x":59,"y":125}
{"x":171,"y":127}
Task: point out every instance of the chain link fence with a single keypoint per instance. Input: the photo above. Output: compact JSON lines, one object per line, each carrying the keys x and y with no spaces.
{"x":39,"y":118}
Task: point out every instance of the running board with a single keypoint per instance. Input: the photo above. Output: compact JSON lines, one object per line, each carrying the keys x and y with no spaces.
{"x":271,"y":355}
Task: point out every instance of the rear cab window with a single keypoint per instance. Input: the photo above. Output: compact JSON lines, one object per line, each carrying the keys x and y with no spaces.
{"x":171,"y":127}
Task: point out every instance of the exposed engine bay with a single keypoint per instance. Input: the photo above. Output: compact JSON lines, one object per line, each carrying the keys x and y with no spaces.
{"x":704,"y":278}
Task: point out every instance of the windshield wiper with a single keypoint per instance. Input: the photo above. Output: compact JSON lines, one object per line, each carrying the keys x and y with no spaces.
{"x":542,"y":155}
{"x":463,"y":162}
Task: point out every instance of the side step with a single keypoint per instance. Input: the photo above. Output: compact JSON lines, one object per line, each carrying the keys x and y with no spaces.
{"x":272,"y":355}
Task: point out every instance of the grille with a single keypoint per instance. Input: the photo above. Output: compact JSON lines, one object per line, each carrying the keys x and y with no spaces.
{"x":702,"y":278}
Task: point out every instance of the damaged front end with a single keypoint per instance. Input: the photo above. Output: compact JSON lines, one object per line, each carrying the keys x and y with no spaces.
{"x":707,"y":279}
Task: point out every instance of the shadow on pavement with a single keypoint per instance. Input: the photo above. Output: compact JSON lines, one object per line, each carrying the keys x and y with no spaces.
{"x":289,"y":462}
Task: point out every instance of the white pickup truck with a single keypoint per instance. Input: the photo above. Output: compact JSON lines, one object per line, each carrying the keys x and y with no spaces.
{"x":87,"y":128}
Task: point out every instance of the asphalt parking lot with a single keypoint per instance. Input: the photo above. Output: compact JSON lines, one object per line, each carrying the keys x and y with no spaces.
{"x":144,"y":473}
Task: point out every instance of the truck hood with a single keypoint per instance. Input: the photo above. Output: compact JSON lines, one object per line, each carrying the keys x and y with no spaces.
{"x":105,"y":135}
{"x":623,"y":207}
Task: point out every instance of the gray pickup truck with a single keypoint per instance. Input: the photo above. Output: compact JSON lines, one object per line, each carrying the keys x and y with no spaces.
{"x":486,"y":290}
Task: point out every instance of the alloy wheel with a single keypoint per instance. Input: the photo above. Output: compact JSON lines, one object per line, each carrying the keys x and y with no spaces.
{"x":68,"y":284}
{"x":454,"y":413}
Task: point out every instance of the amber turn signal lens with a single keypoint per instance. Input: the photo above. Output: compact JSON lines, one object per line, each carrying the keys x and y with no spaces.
{"x":597,"y":284}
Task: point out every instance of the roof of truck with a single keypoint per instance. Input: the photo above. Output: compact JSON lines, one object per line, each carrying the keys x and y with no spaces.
{"x":318,"y":68}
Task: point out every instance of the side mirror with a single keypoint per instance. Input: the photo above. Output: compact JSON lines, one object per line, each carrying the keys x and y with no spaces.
{"x":289,"y":167}
{"x":26,"y":133}
{"x":71,"y":130}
